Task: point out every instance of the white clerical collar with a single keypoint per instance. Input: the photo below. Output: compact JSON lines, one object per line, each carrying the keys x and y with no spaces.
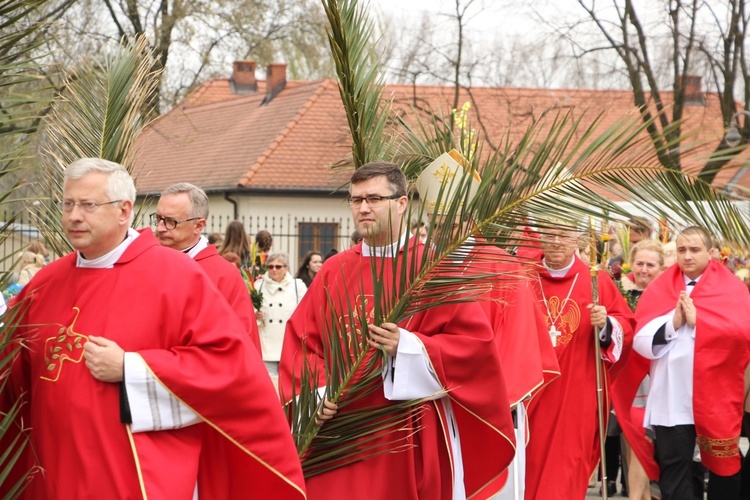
{"x":559,"y":273}
{"x":197,"y":248}
{"x":388,"y":250}
{"x":107,"y":261}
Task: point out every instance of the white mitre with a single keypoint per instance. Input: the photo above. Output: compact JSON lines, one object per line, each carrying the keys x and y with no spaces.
{"x":444,"y":179}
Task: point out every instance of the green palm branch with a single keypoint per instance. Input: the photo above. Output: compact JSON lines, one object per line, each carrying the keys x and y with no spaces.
{"x":351,"y":36}
{"x":20,"y":111}
{"x":98,"y":114}
{"x":561,"y":171}
{"x":12,"y":434}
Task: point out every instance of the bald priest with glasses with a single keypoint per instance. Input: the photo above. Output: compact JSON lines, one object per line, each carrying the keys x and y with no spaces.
{"x":132,"y":360}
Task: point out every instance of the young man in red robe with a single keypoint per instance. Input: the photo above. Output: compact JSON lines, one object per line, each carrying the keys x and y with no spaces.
{"x":463,"y":439}
{"x":692,"y":328}
{"x":563,"y":444}
{"x":179,"y":219}
{"x":132,"y":357}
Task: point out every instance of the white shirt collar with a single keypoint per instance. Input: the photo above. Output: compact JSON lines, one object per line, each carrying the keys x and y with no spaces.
{"x":559,"y":273}
{"x":197,"y":248}
{"x":388,"y":250}
{"x":688,"y":280}
{"x":107,"y":261}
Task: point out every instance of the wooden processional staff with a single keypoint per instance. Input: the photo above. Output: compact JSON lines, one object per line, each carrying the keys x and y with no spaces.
{"x":597,"y":353}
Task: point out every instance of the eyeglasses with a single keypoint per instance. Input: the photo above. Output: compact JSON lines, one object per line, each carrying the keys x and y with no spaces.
{"x":86,"y":206}
{"x":276,"y":266}
{"x":372,"y":201}
{"x":169,"y":222}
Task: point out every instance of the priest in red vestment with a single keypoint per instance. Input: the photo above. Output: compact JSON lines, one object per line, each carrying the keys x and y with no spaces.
{"x":563,"y":444}
{"x":528,"y":358}
{"x":132,"y":358}
{"x":454,"y":444}
{"x":693,"y":332}
{"x":179,"y":220}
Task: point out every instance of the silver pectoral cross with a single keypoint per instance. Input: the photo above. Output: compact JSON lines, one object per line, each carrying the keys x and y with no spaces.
{"x":553,"y":334}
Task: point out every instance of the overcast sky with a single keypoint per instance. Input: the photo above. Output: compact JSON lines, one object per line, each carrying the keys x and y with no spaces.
{"x":488,"y":17}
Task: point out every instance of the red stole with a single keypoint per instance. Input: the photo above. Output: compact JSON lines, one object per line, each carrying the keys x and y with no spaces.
{"x":722,"y":351}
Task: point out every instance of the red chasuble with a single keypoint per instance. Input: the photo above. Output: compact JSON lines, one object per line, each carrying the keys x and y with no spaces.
{"x":459,"y":342}
{"x":722,"y":351}
{"x":521,"y":334}
{"x":563,"y":444}
{"x":228,"y":280}
{"x":159,"y":304}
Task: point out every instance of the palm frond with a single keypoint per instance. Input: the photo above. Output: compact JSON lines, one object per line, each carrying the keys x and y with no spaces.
{"x":22,"y":105}
{"x":351,"y":36}
{"x":97,"y":115}
{"x":561,"y":171}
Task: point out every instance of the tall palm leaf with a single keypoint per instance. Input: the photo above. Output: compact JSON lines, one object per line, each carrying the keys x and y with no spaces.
{"x":97,"y":115}
{"x":351,"y":38}
{"x":559,"y":169}
{"x":22,"y":104}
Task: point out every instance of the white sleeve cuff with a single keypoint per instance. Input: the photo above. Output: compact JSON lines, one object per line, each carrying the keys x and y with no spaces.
{"x":152,"y":406}
{"x":617,"y":340}
{"x":410,"y":375}
{"x":643,"y":343}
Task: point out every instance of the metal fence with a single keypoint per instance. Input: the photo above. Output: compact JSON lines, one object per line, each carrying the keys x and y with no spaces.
{"x":292,"y":235}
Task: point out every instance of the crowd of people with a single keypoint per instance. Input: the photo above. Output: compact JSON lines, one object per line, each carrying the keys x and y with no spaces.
{"x":176,"y":391}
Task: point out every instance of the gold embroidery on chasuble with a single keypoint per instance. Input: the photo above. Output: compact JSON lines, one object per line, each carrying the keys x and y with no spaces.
{"x":350,"y":324}
{"x":67,"y":345}
{"x":568,"y":318}
{"x":719,"y":448}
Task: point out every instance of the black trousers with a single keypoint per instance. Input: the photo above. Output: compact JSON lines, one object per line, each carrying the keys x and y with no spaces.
{"x":674,"y":453}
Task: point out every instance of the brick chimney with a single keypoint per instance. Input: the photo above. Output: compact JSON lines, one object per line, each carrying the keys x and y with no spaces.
{"x":275,"y":80}
{"x":243,"y":78}
{"x":693,"y":92}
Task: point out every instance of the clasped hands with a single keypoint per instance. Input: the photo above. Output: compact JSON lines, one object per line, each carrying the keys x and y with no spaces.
{"x":684,"y":311}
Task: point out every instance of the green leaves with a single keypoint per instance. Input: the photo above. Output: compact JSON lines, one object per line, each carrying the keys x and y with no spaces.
{"x":99,"y":115}
{"x":563,"y":169}
{"x":351,"y":38}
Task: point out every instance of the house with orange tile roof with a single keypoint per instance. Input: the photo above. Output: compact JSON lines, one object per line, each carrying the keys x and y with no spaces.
{"x":263,"y":149}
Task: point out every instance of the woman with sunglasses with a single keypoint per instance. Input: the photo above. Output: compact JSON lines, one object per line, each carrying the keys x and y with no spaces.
{"x":281,"y":294}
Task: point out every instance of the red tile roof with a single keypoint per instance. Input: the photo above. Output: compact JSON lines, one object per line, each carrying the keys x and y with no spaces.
{"x":216,"y":139}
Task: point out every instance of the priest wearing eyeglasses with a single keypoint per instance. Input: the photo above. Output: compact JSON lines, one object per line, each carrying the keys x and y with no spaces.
{"x":131,"y":358}
{"x":179,"y":221}
{"x":563,"y":447}
{"x":444,"y":354}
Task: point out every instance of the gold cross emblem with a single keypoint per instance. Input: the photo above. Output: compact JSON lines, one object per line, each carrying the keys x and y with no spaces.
{"x":67,"y":345}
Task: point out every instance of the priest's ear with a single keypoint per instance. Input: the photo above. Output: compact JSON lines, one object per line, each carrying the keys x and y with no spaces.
{"x":126,"y":214}
{"x":200,"y":225}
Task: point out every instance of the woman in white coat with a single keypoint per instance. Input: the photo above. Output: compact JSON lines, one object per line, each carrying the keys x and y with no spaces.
{"x":281,"y":294}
